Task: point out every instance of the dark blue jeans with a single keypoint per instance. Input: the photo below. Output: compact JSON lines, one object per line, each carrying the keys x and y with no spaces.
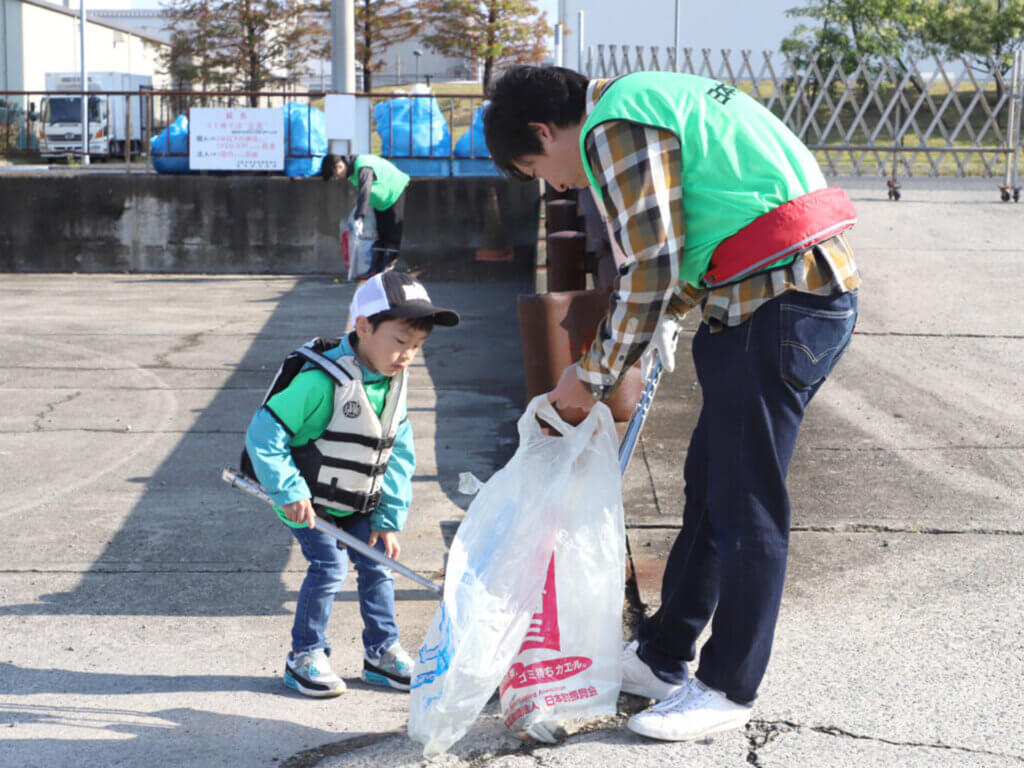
{"x":730,"y":556}
{"x":328,"y":564}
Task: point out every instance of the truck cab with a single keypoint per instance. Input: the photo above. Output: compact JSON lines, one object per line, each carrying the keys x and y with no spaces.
{"x":61,"y":129}
{"x":116,"y":116}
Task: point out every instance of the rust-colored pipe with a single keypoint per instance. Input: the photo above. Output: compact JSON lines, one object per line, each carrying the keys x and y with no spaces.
{"x":556,"y":330}
{"x":566,"y":252}
{"x":562,"y":216}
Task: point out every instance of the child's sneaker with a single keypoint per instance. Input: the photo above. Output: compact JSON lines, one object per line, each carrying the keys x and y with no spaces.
{"x":392,"y":669}
{"x":311,"y":674}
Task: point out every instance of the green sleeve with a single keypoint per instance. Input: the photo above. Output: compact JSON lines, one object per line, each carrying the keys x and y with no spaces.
{"x":305,"y":406}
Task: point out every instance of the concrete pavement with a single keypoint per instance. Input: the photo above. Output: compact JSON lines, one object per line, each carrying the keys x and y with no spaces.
{"x":145,"y":607}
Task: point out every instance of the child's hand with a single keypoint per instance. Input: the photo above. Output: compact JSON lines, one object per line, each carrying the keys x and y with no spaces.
{"x":390,"y":539}
{"x":300,"y":511}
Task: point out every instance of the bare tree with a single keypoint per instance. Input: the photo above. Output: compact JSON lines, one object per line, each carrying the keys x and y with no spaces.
{"x":249,"y":44}
{"x":488,"y":31}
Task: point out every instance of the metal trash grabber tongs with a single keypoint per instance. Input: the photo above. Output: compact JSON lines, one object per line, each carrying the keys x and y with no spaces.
{"x":237,"y":480}
{"x":633,"y":429}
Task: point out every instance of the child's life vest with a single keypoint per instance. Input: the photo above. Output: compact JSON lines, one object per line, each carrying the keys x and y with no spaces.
{"x":344,"y":468}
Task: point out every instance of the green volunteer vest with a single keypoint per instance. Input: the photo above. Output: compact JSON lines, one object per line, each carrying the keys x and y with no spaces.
{"x":388,"y":185}
{"x":739,"y":160}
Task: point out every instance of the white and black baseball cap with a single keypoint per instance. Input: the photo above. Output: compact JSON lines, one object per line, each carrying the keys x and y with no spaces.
{"x":400,"y":295}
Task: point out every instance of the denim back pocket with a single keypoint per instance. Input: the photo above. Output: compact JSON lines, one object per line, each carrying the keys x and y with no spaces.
{"x":812,"y":341}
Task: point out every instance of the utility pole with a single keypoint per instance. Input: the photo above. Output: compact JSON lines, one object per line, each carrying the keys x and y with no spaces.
{"x":580,"y":66}
{"x":85,"y":87}
{"x":343,"y":46}
{"x":675,"y":61}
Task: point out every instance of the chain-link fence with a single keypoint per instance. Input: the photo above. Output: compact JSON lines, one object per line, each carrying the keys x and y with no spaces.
{"x":875,"y":116}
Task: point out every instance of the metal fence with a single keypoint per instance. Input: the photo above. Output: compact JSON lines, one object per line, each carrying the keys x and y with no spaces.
{"x":122,"y":125}
{"x":880,"y":116}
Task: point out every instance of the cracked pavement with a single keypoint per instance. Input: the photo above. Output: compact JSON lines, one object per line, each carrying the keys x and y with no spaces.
{"x":145,"y":607}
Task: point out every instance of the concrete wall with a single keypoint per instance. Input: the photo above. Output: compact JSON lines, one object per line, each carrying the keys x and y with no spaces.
{"x":100,"y":222}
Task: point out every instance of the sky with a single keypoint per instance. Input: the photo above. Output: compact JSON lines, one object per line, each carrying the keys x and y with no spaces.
{"x":551,"y":6}
{"x":761,"y":27}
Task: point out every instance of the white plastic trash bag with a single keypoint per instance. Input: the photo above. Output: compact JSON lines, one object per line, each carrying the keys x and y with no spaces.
{"x":569,"y":664}
{"x":357,"y":252}
{"x":499,"y":562}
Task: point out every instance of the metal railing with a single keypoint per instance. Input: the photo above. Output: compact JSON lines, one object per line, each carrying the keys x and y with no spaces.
{"x":436,"y":122}
{"x":880,"y":116}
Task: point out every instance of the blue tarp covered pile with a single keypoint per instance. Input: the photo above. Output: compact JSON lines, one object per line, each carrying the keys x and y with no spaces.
{"x":412,"y":126}
{"x":472,"y":157}
{"x":412,"y":130}
{"x":305,"y":134}
{"x":472,"y":143}
{"x":169,"y":148}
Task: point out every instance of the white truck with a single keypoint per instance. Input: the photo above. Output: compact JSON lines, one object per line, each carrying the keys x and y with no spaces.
{"x":108,"y":128}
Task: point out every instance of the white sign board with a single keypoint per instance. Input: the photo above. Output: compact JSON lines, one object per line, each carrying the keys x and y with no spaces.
{"x":236,"y":139}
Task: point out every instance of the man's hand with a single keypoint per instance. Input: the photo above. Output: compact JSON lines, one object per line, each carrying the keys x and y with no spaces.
{"x":390,"y":539}
{"x":357,"y":226}
{"x":300,"y":511}
{"x":571,"y":399}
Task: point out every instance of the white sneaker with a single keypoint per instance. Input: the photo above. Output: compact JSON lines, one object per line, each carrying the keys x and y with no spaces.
{"x":694,"y":712}
{"x":392,"y":669}
{"x":311,"y":675}
{"x":638,"y":679}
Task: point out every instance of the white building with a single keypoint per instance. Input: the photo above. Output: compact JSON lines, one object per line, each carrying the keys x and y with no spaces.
{"x":401,"y":65}
{"x":150,"y":21}
{"x":37,"y":37}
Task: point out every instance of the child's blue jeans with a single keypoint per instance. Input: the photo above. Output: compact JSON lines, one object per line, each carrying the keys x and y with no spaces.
{"x":328,"y":565}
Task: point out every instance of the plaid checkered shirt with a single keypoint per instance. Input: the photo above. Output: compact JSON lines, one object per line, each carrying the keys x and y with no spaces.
{"x":640,"y":172}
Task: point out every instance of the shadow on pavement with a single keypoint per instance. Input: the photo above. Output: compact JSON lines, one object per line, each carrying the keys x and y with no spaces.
{"x":189,"y":525}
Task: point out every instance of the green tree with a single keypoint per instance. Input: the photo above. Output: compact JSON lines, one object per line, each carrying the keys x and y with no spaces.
{"x":978,"y":30}
{"x":492,"y":31}
{"x":855,"y":30}
{"x":379,"y":25}
{"x":247,"y":44}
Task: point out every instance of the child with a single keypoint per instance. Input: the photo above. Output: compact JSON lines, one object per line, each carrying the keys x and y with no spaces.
{"x":381,"y":185}
{"x":336,"y":442}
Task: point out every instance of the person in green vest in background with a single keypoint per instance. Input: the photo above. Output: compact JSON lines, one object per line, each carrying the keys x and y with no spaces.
{"x":716,"y":206}
{"x":379,"y":185}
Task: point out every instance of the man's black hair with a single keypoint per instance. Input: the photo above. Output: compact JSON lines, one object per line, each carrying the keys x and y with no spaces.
{"x":528,"y":94}
{"x":425,"y":324}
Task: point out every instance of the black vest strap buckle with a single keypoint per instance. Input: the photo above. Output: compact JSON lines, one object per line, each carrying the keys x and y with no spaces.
{"x":362,"y":503}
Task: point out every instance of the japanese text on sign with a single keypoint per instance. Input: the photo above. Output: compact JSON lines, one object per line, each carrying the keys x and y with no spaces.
{"x":236,"y":139}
